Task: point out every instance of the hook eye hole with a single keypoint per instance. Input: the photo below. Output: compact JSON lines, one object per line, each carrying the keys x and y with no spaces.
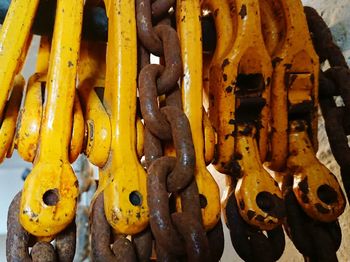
{"x":203,"y":201}
{"x":327,"y":194}
{"x":265,"y":201}
{"x":51,"y":197}
{"x":135,"y":198}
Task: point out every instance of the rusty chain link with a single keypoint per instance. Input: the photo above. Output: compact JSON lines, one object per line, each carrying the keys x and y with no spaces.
{"x":122,"y":248}
{"x":177,"y":234}
{"x":19,"y":241}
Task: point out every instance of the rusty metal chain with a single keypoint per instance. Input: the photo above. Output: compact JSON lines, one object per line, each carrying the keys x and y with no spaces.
{"x":122,"y":248}
{"x":107,"y":246}
{"x":315,"y":240}
{"x":19,"y":241}
{"x":177,"y":234}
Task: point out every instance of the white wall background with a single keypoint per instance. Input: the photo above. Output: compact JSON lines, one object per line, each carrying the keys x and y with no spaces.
{"x":336,"y":14}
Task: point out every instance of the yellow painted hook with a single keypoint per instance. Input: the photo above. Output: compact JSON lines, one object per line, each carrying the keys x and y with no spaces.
{"x":50,"y":191}
{"x":125,"y":196}
{"x":189,"y":30}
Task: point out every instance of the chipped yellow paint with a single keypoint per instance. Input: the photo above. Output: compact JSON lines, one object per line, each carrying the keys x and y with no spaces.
{"x":312,"y":180}
{"x":255,"y":179}
{"x":189,"y":30}
{"x":246,"y":56}
{"x":296,"y":67}
{"x":225,"y":34}
{"x":126,"y":176}
{"x":52,"y":174}
{"x":209,"y":139}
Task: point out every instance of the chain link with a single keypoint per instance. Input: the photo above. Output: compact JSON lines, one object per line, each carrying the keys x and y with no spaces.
{"x":101,"y":234}
{"x":177,"y":234}
{"x":19,"y":241}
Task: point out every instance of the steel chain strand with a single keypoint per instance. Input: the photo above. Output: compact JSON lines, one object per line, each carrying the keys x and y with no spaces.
{"x":153,"y":150}
{"x":189,"y":29}
{"x":173,"y":114}
{"x":178,"y":178}
{"x":101,"y":235}
{"x":18,"y":241}
{"x":163,"y":230}
{"x":323,"y":40}
{"x":146,"y":14}
{"x":159,"y":182}
{"x":143,"y":243}
{"x":190,"y":199}
{"x":341,"y":77}
{"x":168,"y":46}
{"x":196,"y":242}
{"x":197,"y":247}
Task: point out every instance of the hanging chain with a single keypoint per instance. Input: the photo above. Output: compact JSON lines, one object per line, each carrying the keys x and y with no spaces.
{"x":177,"y":234}
{"x":19,"y":240}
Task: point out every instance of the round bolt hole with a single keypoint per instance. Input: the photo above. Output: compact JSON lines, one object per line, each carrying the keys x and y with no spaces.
{"x":135,"y":198}
{"x":265,"y":201}
{"x":327,"y":194}
{"x":203,"y":201}
{"x":51,"y":197}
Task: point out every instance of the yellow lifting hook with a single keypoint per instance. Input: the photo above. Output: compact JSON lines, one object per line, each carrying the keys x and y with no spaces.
{"x":241,"y":76}
{"x":189,"y":29}
{"x":294,"y":110}
{"x":125,"y":192}
{"x":50,"y":191}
